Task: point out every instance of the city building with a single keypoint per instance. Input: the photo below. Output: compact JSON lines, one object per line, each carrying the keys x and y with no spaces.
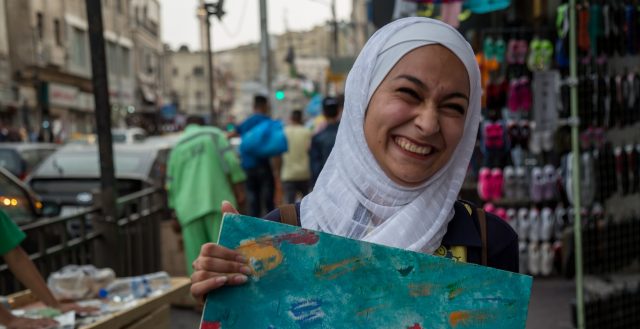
{"x":49,"y":63}
{"x":147,"y":64}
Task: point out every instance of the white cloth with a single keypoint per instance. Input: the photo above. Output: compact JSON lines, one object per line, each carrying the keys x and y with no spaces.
{"x":353,"y":197}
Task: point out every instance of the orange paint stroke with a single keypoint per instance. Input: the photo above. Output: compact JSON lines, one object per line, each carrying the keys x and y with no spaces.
{"x":466,"y":317}
{"x":419,"y":289}
{"x":454,"y":293}
{"x":458,"y":317}
{"x":369,"y":310}
{"x":332,"y":271}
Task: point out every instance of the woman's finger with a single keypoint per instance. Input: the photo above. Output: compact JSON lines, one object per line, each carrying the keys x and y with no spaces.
{"x":227,"y":207}
{"x":219,"y":265}
{"x":218,"y":251}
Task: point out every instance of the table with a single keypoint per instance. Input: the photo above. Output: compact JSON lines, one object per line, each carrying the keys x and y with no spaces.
{"x":151,"y":312}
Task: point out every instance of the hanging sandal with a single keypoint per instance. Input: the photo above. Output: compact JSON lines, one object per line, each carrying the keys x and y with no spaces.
{"x":499,"y":50}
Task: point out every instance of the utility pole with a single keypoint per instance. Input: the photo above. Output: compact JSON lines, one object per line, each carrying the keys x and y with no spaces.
{"x":105,"y":144}
{"x":265,"y":49}
{"x":335,"y":28}
{"x":212,"y":9}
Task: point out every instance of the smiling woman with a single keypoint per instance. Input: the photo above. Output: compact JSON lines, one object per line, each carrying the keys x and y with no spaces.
{"x":408,"y":129}
{"x":415,"y":117}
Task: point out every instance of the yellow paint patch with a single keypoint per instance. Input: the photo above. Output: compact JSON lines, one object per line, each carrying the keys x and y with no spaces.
{"x":263,"y":257}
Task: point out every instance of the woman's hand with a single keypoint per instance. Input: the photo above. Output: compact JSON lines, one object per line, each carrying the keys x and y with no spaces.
{"x":217,"y":266}
{"x":66,"y":307}
{"x":26,"y":323}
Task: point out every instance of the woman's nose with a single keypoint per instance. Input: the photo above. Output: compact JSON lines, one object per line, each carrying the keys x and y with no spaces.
{"x":427,"y":120}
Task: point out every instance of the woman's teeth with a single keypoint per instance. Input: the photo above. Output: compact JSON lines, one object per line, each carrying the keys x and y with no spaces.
{"x":407,"y":145}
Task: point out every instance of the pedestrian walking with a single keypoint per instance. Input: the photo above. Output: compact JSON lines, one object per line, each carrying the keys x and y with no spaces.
{"x":260,"y":175}
{"x":295,"y":172}
{"x":203,"y":170}
{"x":322,"y":143}
{"x":409,"y":125}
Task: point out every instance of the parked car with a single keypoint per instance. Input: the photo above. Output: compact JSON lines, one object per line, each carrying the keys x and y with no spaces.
{"x":128,"y":135}
{"x":68,"y":179}
{"x":18,"y":200}
{"x":21,"y":158}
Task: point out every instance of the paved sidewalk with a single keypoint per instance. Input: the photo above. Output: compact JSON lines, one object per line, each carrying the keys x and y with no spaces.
{"x":550,"y":307}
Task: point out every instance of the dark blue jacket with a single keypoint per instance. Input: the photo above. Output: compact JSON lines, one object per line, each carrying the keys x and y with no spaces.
{"x":321,"y":146}
{"x":248,"y":161}
{"x":462,"y":242}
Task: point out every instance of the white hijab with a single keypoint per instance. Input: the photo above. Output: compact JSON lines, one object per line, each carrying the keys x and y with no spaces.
{"x":353,"y":197}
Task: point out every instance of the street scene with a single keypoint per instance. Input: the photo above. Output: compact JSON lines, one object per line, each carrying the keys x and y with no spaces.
{"x":413,"y":164}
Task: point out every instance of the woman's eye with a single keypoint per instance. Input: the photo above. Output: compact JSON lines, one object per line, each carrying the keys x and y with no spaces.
{"x":410,"y":92}
{"x":459,"y":109}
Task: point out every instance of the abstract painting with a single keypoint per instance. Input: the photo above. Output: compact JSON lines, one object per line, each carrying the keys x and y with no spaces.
{"x":308,"y":279}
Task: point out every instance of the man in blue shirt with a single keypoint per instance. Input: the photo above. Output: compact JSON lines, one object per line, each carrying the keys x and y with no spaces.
{"x":260,"y":181}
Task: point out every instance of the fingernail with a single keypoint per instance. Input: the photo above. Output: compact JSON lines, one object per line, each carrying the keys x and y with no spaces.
{"x":241,"y":278}
{"x":245,"y":270}
{"x":241,"y":259}
{"x":221,"y":279}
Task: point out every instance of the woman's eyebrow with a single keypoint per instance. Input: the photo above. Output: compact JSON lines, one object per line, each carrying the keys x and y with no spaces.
{"x":423,"y":86}
{"x":413,"y":79}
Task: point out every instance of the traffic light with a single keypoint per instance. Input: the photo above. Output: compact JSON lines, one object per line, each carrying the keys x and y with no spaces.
{"x":280,"y":95}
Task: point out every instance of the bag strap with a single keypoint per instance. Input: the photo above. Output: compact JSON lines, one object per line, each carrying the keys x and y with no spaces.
{"x":482,"y":220}
{"x":289,"y":215}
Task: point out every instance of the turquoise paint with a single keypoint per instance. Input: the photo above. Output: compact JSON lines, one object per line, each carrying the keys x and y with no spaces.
{"x":366,"y":290}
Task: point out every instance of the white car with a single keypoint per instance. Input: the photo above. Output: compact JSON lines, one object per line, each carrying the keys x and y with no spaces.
{"x":128,"y":135}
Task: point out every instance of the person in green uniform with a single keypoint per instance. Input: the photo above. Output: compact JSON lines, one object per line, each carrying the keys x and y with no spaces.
{"x":23,"y":268}
{"x":203,"y":171}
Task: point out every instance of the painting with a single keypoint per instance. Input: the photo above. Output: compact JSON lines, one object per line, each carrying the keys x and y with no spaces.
{"x":308,"y":279}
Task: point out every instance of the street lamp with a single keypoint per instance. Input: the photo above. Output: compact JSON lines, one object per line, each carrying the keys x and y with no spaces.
{"x":211,"y":9}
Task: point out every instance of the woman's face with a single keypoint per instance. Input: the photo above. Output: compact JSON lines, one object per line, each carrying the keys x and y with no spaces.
{"x":415,"y":118}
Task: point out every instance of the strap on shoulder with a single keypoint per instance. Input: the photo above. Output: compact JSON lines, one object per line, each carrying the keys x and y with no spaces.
{"x":482,"y":220}
{"x":289,"y":215}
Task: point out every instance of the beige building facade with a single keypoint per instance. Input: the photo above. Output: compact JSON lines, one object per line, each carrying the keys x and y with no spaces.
{"x":50,"y":60}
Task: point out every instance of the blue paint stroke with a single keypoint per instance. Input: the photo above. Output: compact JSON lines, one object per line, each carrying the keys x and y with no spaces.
{"x":307,"y":311}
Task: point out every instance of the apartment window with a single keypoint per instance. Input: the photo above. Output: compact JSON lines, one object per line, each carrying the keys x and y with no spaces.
{"x":174,"y":71}
{"x":40,"y":25}
{"x":57,"y":31}
{"x":119,"y":6}
{"x":149,"y":62}
{"x":112,"y":58}
{"x":125,"y":61}
{"x":198,"y":71}
{"x":79,"y":47}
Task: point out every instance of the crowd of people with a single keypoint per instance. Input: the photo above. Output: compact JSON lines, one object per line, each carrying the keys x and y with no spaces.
{"x":204,"y":170}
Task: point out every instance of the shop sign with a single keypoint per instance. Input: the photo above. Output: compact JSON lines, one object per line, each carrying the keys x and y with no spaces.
{"x":63,"y":95}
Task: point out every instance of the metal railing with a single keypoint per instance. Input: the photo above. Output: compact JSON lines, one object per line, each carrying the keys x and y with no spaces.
{"x":130,"y":245}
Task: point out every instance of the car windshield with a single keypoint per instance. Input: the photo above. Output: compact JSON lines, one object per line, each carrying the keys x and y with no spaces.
{"x":85,"y":164}
{"x":14,"y":201}
{"x":119,"y":138}
{"x":9,"y":160}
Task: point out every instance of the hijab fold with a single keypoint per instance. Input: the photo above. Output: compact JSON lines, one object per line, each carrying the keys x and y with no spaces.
{"x":353,"y":197}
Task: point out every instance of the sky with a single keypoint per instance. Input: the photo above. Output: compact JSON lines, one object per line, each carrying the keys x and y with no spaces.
{"x":240,"y":25}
